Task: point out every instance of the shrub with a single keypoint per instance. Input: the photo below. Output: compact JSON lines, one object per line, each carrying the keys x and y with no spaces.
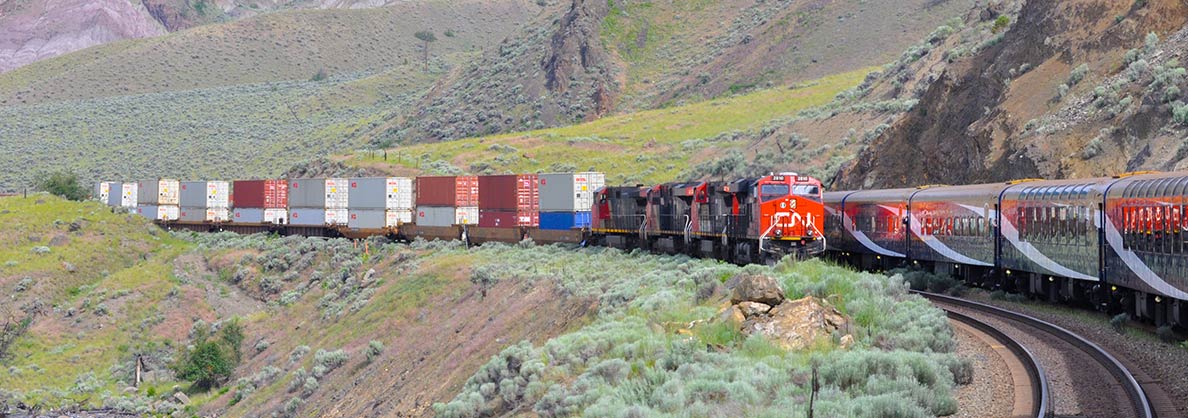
{"x":1167,"y":334}
{"x":1092,"y":149}
{"x":1180,"y":113}
{"x":1000,"y":23}
{"x":64,"y":184}
{"x":1171,"y":94}
{"x":1118,"y":322}
{"x":1078,"y":74}
{"x":1061,"y":91}
{"x":1137,"y":70}
{"x":23,"y":285}
{"x":330,"y":360}
{"x":212,"y":361}
{"x":298,"y":353}
{"x":374,"y":349}
{"x":1150,"y":42}
{"x":262,"y":345}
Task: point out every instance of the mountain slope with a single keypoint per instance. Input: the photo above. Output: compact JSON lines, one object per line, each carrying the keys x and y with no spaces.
{"x":1073,"y":89}
{"x":31,"y":31}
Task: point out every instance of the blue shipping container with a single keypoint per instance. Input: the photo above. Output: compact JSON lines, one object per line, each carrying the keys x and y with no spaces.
{"x":564,"y":221}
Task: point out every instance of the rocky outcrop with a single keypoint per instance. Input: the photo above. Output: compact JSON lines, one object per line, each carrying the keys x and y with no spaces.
{"x":758,"y":307}
{"x":37,"y":30}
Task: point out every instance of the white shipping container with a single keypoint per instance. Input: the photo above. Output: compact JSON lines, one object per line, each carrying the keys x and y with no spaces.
{"x":337,"y":196}
{"x":276,"y":216}
{"x":168,"y":192}
{"x":400,"y":193}
{"x":584,"y":186}
{"x":218,"y":194}
{"x":336,"y":216}
{"x":467,"y":215}
{"x":397,"y":217}
{"x":218,"y":214}
{"x":128,"y":195}
{"x":160,"y":213}
{"x":104,"y":191}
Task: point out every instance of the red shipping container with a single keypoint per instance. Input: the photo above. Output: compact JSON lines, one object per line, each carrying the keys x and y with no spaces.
{"x":467,"y":191}
{"x":510,"y":192}
{"x":508,"y":218}
{"x":436,"y":191}
{"x":270,"y":194}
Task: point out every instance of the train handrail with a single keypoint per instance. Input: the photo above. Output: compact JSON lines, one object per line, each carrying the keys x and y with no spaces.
{"x":774,"y":222}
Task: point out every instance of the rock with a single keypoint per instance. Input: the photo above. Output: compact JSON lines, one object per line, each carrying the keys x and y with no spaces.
{"x":129,"y":389}
{"x":34,"y":238}
{"x":750,"y":309}
{"x":68,"y":267}
{"x":755,"y":288}
{"x":846,"y":341}
{"x":59,"y":240}
{"x":181,"y":398}
{"x":75,"y":226}
{"x":732,"y":314}
{"x":795,"y":324}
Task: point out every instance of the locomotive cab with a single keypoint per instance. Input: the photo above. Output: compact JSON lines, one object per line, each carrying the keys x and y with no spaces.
{"x":790,"y":207}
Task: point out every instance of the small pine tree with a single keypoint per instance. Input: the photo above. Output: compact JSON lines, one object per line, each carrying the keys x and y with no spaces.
{"x":426,"y":37}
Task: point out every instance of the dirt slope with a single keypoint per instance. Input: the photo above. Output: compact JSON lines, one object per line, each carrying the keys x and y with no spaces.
{"x":1018,"y":108}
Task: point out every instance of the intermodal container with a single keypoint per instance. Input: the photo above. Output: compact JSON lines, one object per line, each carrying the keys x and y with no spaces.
{"x":196,"y":214}
{"x":456,"y":191}
{"x":435,"y":215}
{"x":397,"y":217}
{"x":468,"y":215}
{"x":508,"y":218}
{"x":160,"y":213}
{"x":368,"y":219}
{"x":329,"y":193}
{"x":564,"y":221}
{"x":569,"y":192}
{"x":157,"y":192}
{"x":307,"y":216}
{"x":128,"y":195}
{"x":115,"y":193}
{"x":266,"y":194}
{"x":247,"y":215}
{"x":205,"y":194}
{"x":515,"y":192}
{"x":381,"y":193}
{"x":102,"y":191}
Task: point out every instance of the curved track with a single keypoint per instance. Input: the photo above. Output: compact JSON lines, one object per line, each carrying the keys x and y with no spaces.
{"x":1032,"y":397}
{"x":1084,"y":378}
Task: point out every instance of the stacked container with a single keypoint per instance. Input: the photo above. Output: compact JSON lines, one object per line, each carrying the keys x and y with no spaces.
{"x":158,"y":199}
{"x":205,"y":201}
{"x":566,"y":199}
{"x":102,"y":192}
{"x":115,"y":194}
{"x":447,"y":200}
{"x":260,"y":201}
{"x":509,"y":201}
{"x":318,"y":202}
{"x":128,"y":194}
{"x":380,"y":202}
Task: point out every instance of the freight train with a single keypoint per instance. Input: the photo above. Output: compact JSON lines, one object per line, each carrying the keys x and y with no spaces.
{"x":759,"y":219}
{"x":1119,"y":243}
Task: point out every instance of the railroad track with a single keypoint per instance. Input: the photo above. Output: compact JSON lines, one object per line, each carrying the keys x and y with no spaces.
{"x":1082,"y":379}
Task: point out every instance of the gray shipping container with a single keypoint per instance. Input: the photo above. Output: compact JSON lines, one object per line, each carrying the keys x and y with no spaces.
{"x":307,"y":216}
{"x":307,"y":193}
{"x":367,"y":218}
{"x":193,"y":194}
{"x":248,"y":215}
{"x":114,"y":194}
{"x":368,"y":193}
{"x":194,"y":214}
{"x":435,"y":216}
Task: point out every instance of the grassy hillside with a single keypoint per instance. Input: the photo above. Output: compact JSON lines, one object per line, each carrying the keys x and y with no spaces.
{"x":280,"y":46}
{"x":332,"y":328}
{"x":647,"y":146}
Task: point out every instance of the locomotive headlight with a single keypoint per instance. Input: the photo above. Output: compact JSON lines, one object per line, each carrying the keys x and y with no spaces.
{"x":783,"y":205}
{"x":1113,"y":288}
{"x":779,"y":232}
{"x":1051,"y":279}
{"x":1158,"y":299}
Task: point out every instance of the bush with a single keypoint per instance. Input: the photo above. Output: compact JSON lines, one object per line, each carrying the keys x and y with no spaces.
{"x":1167,"y":334}
{"x":212,"y":361}
{"x":298,"y":353}
{"x":1078,"y":74}
{"x":1118,"y":322}
{"x":1000,"y":23}
{"x":64,"y":184}
{"x":374,"y":349}
{"x":330,"y":360}
{"x":1180,"y":113}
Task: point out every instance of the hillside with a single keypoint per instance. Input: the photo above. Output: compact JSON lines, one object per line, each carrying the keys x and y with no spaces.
{"x":1072,"y":89}
{"x":335,"y":329}
{"x":250,"y":98}
{"x":599,"y":58}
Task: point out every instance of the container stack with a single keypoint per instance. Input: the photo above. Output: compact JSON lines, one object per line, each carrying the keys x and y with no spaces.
{"x":128,"y":194}
{"x":260,"y":201}
{"x":566,"y":199}
{"x":447,"y":200}
{"x":102,"y":192}
{"x":205,"y":201}
{"x":380,"y":202}
{"x":158,"y":199}
{"x":115,"y":194}
{"x":318,"y":202}
{"x":509,"y":201}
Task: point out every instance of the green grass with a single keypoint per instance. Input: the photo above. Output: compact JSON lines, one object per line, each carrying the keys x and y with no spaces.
{"x":648,"y":146}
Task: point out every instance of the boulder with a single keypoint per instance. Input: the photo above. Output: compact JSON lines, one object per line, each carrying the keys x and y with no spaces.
{"x":757,"y":288}
{"x":181,"y":398}
{"x":750,"y":309}
{"x":733,"y":315}
{"x":795,"y":324}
